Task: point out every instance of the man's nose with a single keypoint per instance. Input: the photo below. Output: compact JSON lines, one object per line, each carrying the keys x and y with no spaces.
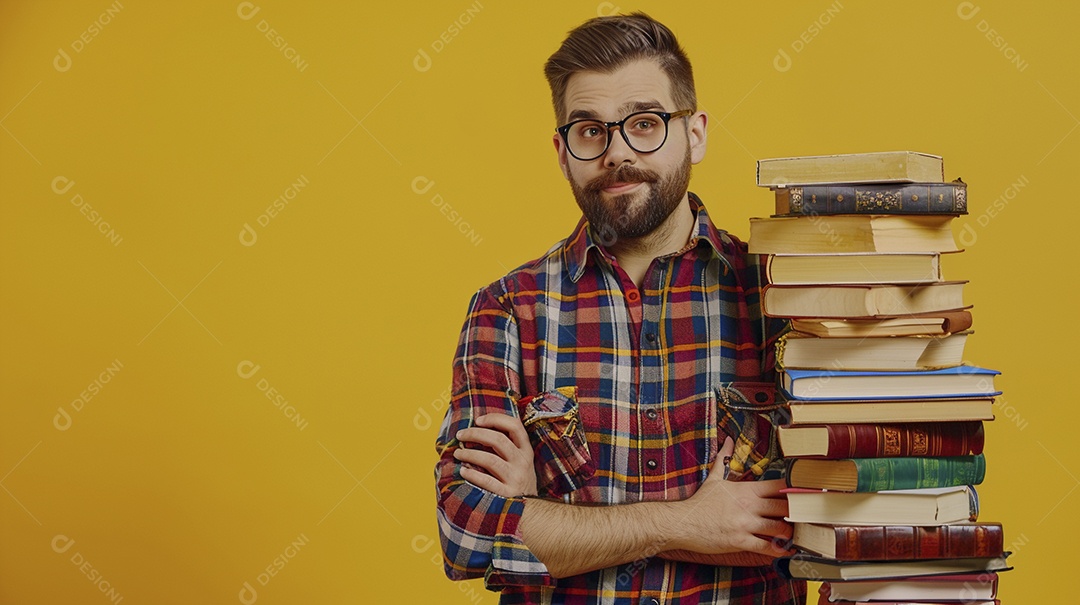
{"x":618,"y":151}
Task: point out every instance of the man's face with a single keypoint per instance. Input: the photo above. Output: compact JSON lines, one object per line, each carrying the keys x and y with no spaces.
{"x":626,"y":194}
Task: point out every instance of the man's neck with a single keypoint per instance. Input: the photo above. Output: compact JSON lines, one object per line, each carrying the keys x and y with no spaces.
{"x":635,"y":255}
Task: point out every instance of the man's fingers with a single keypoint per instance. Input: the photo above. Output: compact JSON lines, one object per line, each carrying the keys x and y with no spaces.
{"x":496,"y":440}
{"x":511,"y":425}
{"x":727,"y":449}
{"x":491,"y":463}
{"x":770,"y":488}
{"x":487,"y":482}
{"x":776,"y":508}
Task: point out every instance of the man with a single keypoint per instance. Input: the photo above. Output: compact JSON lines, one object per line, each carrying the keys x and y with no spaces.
{"x":605,"y":375}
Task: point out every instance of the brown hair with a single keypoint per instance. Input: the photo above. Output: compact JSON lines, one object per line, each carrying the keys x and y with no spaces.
{"x":605,"y":44}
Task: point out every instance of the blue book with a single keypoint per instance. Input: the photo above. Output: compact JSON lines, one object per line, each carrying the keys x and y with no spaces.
{"x":839,"y":385}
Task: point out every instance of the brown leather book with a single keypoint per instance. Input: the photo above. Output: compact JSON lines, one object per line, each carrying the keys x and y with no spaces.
{"x":900,"y":542}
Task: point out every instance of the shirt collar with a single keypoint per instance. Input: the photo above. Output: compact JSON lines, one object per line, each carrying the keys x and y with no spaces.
{"x":576,"y":248}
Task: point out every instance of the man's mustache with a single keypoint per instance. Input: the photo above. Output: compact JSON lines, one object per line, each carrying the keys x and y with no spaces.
{"x":623,"y":174}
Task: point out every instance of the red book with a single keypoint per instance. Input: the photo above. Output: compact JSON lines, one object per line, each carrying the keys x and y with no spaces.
{"x":836,"y":441}
{"x":901,"y":542}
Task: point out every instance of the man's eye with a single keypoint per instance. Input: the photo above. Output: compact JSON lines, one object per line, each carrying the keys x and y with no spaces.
{"x":589,"y":132}
{"x":644,"y":125}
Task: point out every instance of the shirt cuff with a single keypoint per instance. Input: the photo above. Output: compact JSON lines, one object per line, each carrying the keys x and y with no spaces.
{"x":512,"y":563}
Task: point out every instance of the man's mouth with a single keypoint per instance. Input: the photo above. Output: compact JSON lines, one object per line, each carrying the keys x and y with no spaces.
{"x":621,"y":187}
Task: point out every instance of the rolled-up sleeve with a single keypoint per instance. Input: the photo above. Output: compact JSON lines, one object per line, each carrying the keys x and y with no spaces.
{"x":479,"y":529}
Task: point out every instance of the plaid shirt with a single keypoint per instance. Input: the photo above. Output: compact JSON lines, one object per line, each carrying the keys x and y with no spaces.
{"x":626,"y":395}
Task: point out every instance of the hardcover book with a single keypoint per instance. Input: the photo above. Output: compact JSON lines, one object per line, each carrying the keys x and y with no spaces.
{"x":861,"y":301}
{"x":935,"y":506}
{"x":913,"y":198}
{"x":957,"y":589}
{"x":911,"y":233}
{"x":900,"y":542}
{"x":805,"y":567}
{"x":837,"y":441}
{"x":959,"y":381}
{"x":948,"y":322}
{"x":878,"y":474}
{"x":897,"y":410}
{"x":804,"y":351}
{"x":853,"y":268}
{"x":876,"y":167}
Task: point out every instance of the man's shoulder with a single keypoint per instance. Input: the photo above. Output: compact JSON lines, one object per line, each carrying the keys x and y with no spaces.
{"x":530,"y":278}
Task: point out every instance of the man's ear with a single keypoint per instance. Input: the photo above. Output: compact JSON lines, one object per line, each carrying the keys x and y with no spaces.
{"x":697,"y":133}
{"x":560,"y":150}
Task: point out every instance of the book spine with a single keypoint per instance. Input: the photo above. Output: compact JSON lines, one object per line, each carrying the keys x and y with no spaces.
{"x":942,"y":198}
{"x":895,"y":440}
{"x":877,"y":474}
{"x":903,"y":542}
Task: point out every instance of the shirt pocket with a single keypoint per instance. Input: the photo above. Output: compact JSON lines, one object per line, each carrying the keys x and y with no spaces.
{"x":749,"y":414}
{"x":560,"y":450}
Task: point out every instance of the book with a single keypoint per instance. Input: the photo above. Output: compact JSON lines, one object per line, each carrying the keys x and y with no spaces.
{"x":911,"y":198}
{"x":836,"y":441}
{"x":877,"y":167}
{"x":933,"y":506}
{"x":952,"y":588}
{"x":805,"y":351}
{"x":853,"y":268}
{"x":806,"y":567}
{"x":900,"y":542}
{"x":878,"y":474}
{"x":861,"y":301}
{"x":909,"y":233}
{"x":959,"y":381}
{"x":898,"y":410}
{"x":947,"y":322}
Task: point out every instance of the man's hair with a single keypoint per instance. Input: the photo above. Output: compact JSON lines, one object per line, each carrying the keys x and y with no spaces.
{"x":605,"y":44}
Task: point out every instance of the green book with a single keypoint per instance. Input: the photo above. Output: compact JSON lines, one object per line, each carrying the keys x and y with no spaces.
{"x":879,"y":474}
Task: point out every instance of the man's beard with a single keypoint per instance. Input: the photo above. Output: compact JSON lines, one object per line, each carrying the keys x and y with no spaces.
{"x":614,"y":219}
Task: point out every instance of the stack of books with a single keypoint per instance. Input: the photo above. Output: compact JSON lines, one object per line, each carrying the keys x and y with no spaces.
{"x":885,"y":435}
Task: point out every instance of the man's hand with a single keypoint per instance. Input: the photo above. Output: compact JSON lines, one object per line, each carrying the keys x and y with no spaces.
{"x":723,"y":517}
{"x":507,"y":469}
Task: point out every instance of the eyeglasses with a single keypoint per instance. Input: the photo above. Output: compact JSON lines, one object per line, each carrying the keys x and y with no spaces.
{"x":644,"y":132}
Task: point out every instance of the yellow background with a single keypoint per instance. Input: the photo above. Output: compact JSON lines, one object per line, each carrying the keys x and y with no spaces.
{"x":179,"y":480}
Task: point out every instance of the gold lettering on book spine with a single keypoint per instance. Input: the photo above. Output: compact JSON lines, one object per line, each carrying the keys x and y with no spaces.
{"x":890,"y":440}
{"x":866,"y":201}
{"x":960,"y":201}
{"x":920,"y":443}
{"x":795,"y":199}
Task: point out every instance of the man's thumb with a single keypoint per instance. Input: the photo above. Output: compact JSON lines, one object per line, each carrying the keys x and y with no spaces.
{"x":727,"y":450}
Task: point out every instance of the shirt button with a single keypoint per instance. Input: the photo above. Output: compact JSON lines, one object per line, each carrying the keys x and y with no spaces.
{"x":650,"y":337}
{"x":651,"y":464}
{"x":632,"y":296}
{"x":651,"y":414}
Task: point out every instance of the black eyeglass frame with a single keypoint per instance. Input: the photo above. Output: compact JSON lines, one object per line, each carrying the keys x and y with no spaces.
{"x":665,"y":116}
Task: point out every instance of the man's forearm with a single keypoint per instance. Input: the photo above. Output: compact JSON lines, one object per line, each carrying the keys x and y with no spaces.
{"x":574,"y":539}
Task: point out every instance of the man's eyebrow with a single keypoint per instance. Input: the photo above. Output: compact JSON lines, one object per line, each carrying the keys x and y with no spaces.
{"x":626,"y":109}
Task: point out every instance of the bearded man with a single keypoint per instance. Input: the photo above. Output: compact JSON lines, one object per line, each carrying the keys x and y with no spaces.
{"x":610,"y":437}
